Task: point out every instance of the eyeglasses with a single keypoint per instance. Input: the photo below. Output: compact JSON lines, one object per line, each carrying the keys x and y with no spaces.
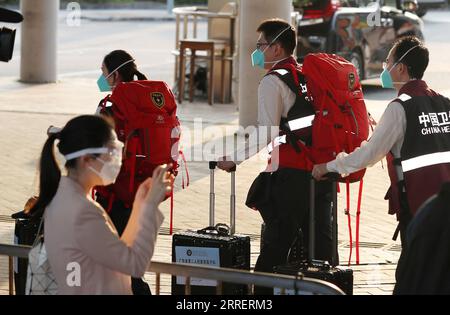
{"x":116,"y":149}
{"x":259,"y":45}
{"x":114,"y":152}
{"x":385,"y":65}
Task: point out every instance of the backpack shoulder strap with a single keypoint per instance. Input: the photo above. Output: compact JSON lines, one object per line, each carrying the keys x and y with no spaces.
{"x":291,"y":77}
{"x":103,"y":102}
{"x":301,"y":109}
{"x":123,"y":99}
{"x":296,"y":82}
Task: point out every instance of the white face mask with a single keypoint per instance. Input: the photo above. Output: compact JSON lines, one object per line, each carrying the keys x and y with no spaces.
{"x":109,"y":171}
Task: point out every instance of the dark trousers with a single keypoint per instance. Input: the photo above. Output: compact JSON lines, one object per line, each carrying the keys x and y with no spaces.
{"x":120,"y":215}
{"x":404,"y":221}
{"x":403,"y":227}
{"x":286,"y":213}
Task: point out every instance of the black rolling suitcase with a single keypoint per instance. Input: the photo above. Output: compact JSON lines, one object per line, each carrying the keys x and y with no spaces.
{"x":317,"y":269}
{"x":25,"y":232}
{"x":216,"y":245}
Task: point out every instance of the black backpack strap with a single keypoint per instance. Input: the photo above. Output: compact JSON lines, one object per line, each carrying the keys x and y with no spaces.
{"x":302,"y":105}
{"x":103,"y":107}
{"x":287,"y":77}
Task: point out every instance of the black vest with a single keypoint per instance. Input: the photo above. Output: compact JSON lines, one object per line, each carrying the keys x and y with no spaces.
{"x":425,"y":153}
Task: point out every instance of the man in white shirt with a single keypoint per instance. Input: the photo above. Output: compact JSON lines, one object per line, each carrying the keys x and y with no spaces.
{"x":406,"y":134}
{"x":285,"y":207}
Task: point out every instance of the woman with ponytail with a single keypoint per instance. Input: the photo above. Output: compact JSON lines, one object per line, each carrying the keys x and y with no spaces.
{"x":117,"y":67}
{"x":143,"y":113}
{"x":85,"y":251}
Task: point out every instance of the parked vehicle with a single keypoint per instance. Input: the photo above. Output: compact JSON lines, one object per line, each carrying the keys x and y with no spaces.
{"x":425,"y":5}
{"x":362,"y":31}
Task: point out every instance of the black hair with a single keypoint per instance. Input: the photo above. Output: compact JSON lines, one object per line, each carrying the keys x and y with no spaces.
{"x":416,"y":61}
{"x":118,"y":57}
{"x":273,"y":27}
{"x":79,"y":133}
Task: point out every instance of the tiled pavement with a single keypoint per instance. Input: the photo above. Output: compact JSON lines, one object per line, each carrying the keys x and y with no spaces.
{"x":26,"y":111}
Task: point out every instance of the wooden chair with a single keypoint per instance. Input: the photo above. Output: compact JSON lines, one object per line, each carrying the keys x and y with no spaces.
{"x":210,"y":47}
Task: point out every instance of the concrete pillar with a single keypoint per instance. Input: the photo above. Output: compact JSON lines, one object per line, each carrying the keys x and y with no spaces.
{"x":252,"y":13}
{"x":39,"y":36}
{"x":170,"y":4}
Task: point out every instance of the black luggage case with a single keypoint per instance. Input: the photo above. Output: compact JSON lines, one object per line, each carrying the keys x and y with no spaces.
{"x":25,"y":232}
{"x":321,"y":270}
{"x":317,"y":269}
{"x":216,"y":245}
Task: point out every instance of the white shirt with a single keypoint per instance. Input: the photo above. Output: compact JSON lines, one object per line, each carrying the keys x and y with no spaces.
{"x":387,"y":136}
{"x":275,"y":99}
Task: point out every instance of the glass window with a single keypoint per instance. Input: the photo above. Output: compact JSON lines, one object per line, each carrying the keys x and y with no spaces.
{"x":356,"y":3}
{"x":390,"y":3}
{"x":310,"y":4}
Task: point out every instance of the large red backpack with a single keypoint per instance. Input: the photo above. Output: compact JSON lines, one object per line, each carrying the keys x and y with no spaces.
{"x":341,"y":121}
{"x":145,"y":119}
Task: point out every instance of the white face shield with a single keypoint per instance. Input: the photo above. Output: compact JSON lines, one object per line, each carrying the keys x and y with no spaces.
{"x":110,"y":168}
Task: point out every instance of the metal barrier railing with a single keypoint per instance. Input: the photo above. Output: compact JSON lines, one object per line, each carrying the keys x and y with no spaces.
{"x":13,"y":251}
{"x":228,"y":275}
{"x":190,"y":271}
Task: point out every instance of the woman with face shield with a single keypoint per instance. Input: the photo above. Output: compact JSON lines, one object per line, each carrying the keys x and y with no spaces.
{"x":77,"y":229}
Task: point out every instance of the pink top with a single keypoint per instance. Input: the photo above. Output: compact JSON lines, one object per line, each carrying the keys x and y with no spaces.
{"x":78,"y":232}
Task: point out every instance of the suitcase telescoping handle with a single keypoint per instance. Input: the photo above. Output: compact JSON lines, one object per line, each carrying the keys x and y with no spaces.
{"x":312,"y":220}
{"x":212,"y":198}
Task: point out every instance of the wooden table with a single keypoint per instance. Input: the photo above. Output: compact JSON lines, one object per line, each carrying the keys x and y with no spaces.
{"x":194,"y":13}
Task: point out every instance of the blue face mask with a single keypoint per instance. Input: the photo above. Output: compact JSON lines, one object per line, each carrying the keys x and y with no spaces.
{"x":386,"y":78}
{"x":258,"y":58}
{"x":103,"y":84}
{"x":102,"y":81}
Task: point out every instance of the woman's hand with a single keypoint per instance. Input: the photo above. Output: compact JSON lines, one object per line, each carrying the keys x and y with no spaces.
{"x":154,"y":189}
{"x":161,"y":185}
{"x":142,"y":192}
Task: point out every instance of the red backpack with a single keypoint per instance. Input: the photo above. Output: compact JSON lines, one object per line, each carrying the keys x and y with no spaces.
{"x":144,"y":114}
{"x":341,"y":122}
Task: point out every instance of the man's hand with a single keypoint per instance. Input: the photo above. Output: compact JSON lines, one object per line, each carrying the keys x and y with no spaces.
{"x":226,"y":165}
{"x":319,"y":171}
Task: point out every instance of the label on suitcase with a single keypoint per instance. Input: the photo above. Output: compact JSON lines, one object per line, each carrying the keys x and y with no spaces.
{"x":197,"y":255}
{"x":215,"y":245}
{"x":213,"y":250}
